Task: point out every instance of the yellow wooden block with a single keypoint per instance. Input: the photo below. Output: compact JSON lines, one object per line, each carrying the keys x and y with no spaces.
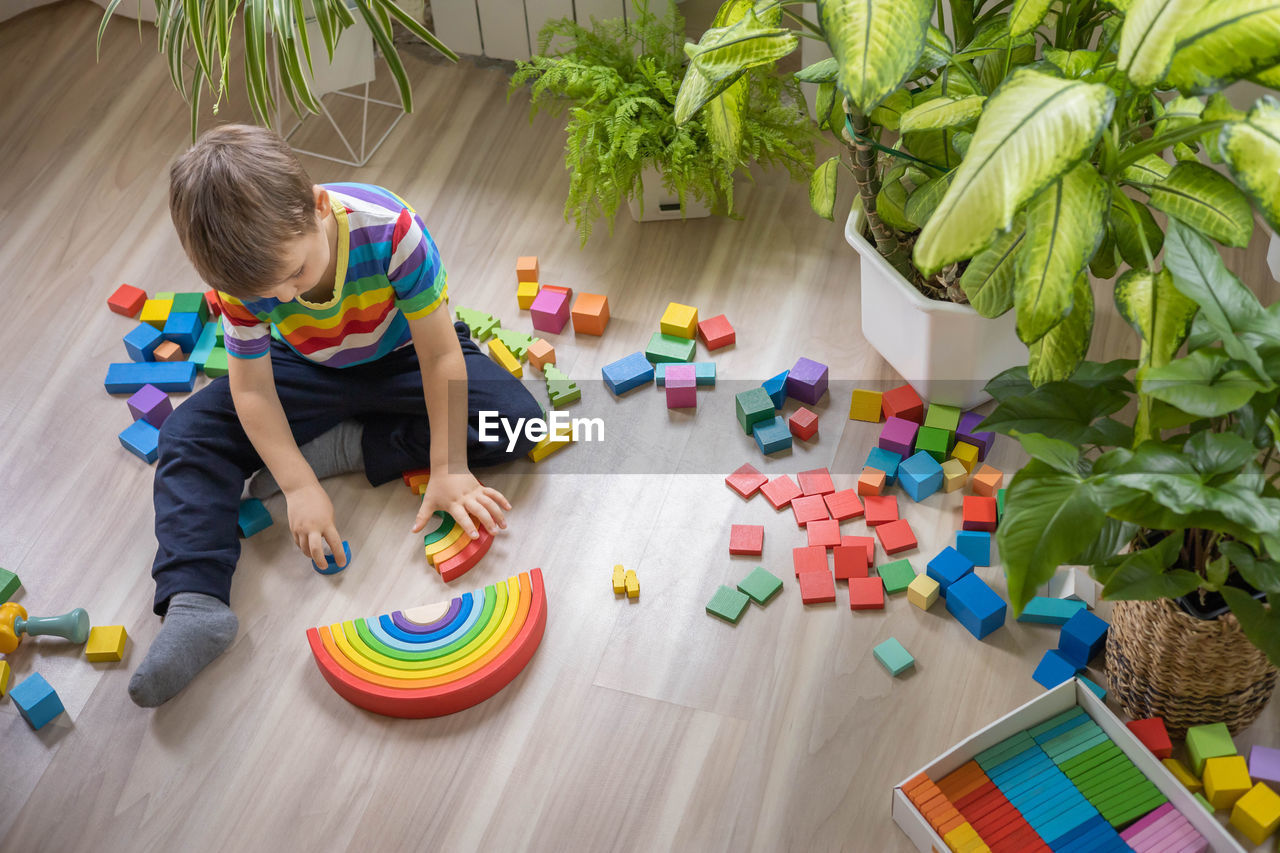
{"x":155,"y":312}
{"x":1226,"y":779}
{"x":447,"y":541}
{"x":1182,"y":774}
{"x":499,"y":352}
{"x":959,"y":837}
{"x":4,"y":677}
{"x":679,"y":320}
{"x":1257,"y":813}
{"x":550,"y":444}
{"x":525,"y":293}
{"x":953,"y":475}
{"x":967,"y":454}
{"x":106,"y":643}
{"x":865,"y":406}
{"x":923,"y":591}
{"x":619,"y":581}
{"x":632,"y":583}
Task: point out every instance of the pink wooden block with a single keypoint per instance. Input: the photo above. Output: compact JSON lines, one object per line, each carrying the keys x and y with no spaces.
{"x":550,"y":310}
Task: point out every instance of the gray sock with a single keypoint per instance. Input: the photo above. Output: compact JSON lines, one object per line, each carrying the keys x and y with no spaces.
{"x":338,"y":451}
{"x":196,"y":630}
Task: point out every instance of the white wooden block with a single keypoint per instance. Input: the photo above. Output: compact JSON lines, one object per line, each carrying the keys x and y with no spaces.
{"x":1074,"y":582}
{"x":538,"y":12}
{"x":503,"y":30}
{"x":457,"y":25}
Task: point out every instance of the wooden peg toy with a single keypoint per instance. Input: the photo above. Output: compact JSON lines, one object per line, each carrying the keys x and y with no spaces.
{"x":632,"y":584}
{"x":72,"y":626}
{"x":619,"y":580}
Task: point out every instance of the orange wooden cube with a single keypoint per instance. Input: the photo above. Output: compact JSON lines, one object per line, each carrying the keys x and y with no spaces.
{"x":590,"y":314}
{"x":987,"y":481}
{"x":527,"y":268}
{"x":870,"y":481}
{"x":541,"y":353}
{"x":168,"y":351}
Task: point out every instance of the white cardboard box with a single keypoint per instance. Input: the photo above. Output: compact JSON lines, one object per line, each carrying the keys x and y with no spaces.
{"x":1044,"y":706}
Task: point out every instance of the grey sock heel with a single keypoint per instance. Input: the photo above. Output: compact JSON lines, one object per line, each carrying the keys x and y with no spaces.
{"x":196,"y":630}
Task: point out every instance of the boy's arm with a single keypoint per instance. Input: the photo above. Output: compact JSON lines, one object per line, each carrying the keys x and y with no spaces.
{"x":452,"y":487}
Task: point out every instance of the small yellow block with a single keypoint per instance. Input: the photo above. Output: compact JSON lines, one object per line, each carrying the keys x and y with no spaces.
{"x":865,"y":406}
{"x":633,"y":584}
{"x":967,"y":454}
{"x":525,"y":293}
{"x":960,"y":836}
{"x":619,"y":581}
{"x":1226,"y":779}
{"x":106,"y":643}
{"x":1257,"y":813}
{"x":155,"y":312}
{"x":550,"y":444}
{"x":1182,"y":774}
{"x":923,"y":591}
{"x":4,"y":677}
{"x":499,"y":352}
{"x":953,"y":475}
{"x":679,"y":320}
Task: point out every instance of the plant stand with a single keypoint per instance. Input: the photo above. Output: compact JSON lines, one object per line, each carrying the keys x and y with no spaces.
{"x":661,"y":204}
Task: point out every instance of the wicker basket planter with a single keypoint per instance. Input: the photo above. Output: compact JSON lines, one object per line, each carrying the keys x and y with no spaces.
{"x":1164,"y":662}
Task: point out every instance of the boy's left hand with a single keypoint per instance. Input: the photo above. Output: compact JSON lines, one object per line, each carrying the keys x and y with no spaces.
{"x":462,"y":496}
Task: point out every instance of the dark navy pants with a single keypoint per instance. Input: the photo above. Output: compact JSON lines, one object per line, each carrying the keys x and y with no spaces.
{"x":205,"y":455}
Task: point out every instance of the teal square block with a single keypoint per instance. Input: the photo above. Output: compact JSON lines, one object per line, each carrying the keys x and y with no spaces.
{"x":669,"y":348}
{"x":761,"y":585}
{"x":893,"y":656}
{"x":728,"y":604}
{"x":897,"y":576}
{"x":753,"y":407}
{"x":936,"y":442}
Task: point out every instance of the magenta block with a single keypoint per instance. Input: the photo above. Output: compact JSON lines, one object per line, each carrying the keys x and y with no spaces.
{"x":807,"y":381}
{"x":899,"y":436}
{"x":1264,"y":765}
{"x":150,"y":404}
{"x":981,"y":440}
{"x":550,"y":311}
{"x":682,"y":386}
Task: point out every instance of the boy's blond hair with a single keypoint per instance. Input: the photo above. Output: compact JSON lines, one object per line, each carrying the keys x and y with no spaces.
{"x":236,"y":197}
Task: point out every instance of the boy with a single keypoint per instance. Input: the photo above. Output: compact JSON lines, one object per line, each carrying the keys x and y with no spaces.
{"x":369,"y":375}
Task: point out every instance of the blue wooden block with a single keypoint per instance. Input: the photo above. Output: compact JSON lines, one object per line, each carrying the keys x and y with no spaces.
{"x":1053,"y":669}
{"x":773,"y":435}
{"x":1082,"y":637}
{"x":704,"y":373}
{"x":976,"y":605}
{"x":976,"y":545}
{"x":1050,"y":611}
{"x":948,"y":567}
{"x":1064,"y":823}
{"x":125,"y":378}
{"x":1098,"y":689}
{"x":331,"y":563}
{"x":142,"y":341}
{"x":204,"y":346}
{"x":254,"y":517}
{"x":627,"y":373}
{"x":886,"y":461}
{"x":141,"y":439}
{"x":184,"y":330}
{"x":920,"y":475}
{"x":37,"y":702}
{"x":777,"y":388}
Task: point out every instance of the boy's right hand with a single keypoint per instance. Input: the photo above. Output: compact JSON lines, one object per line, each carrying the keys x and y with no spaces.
{"x":311,"y":523}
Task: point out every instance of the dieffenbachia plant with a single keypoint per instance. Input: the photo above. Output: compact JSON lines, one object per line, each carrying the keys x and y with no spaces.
{"x":1026,"y":146}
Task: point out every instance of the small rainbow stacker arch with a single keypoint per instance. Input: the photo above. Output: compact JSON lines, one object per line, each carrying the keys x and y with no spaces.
{"x":437,"y":659}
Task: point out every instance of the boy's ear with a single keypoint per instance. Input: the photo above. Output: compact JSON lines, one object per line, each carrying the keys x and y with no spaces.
{"x":322,"y":199}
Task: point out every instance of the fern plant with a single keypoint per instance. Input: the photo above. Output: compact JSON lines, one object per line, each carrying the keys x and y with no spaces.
{"x":619,"y":80}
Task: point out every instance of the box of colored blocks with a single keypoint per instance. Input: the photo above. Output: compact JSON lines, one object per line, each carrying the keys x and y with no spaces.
{"x":1063,"y":774}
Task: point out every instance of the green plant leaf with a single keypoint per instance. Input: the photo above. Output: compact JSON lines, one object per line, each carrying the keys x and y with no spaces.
{"x":1057,"y":454}
{"x":1026,"y":15}
{"x":1034,"y":129}
{"x":726,"y":52}
{"x":1269,"y":78}
{"x":1147,"y":38}
{"x":1224,"y":41}
{"x":1259,"y":573}
{"x":877,"y":43}
{"x":1260,"y":624}
{"x":1157,"y":311}
{"x":1129,"y":234}
{"x":1064,"y":410}
{"x":988,"y":279}
{"x":1106,"y":260}
{"x":1143,"y":576}
{"x":922,"y":203}
{"x":1064,"y":227}
{"x":937,"y":51}
{"x":1062,"y":349}
{"x":1151,"y":169}
{"x":891,"y":204}
{"x":415,"y":26}
{"x":1113,"y":536}
{"x":1073,"y":63}
{"x":822,"y":188}
{"x":889,"y":112}
{"x":1200,"y":384}
{"x":822,"y":71}
{"x":1251,"y":149}
{"x":1215,"y":453}
{"x":942,"y":112}
{"x":1205,"y":200}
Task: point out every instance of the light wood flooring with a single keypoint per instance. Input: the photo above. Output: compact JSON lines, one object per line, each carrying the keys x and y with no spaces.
{"x":642,"y":726}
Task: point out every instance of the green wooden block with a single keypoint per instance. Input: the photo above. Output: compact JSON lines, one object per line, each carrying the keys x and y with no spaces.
{"x":944,"y":418}
{"x":220,"y":333}
{"x":893,"y":656}
{"x":517,"y":342}
{"x":728,"y":604}
{"x":669,"y":348}
{"x":1091,"y":757}
{"x":482,"y":325}
{"x":560,"y":388}
{"x":1208,"y":806}
{"x":761,"y":585}
{"x":1000,"y":503}
{"x":1211,"y":741}
{"x":897,"y":575}
{"x":9,"y":584}
{"x":933,"y":441}
{"x":216,"y":364}
{"x":1136,"y":808}
{"x":753,"y":406}
{"x":191,"y":303}
{"x":165,"y":295}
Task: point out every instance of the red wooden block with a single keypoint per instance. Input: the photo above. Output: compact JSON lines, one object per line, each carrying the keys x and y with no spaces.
{"x":803,"y":424}
{"x":866,"y":543}
{"x":746,"y":539}
{"x":824,"y":532}
{"x":716,"y":332}
{"x":746,"y":481}
{"x":843,"y":504}
{"x":867,"y":594}
{"x":903,"y":402}
{"x":881,"y":509}
{"x":780,"y":491}
{"x":979,"y":513}
{"x":127,"y":300}
{"x":1154,"y":736}
{"x":817,"y":587}
{"x":809,"y":508}
{"x":851,"y":562}
{"x":461,"y":562}
{"x":816,"y":482}
{"x":214,"y":304}
{"x":896,"y":536}
{"x":810,"y":559}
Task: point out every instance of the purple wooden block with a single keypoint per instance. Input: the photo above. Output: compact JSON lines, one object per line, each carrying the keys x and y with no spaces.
{"x":807,"y":381}
{"x":550,"y":311}
{"x":1264,"y":765}
{"x":898,"y":435}
{"x":981,"y":440}
{"x":150,"y":404}
{"x":682,"y":386}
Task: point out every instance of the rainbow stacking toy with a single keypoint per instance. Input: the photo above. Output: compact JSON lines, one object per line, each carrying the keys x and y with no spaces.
{"x":448,"y":549}
{"x":437,"y":659}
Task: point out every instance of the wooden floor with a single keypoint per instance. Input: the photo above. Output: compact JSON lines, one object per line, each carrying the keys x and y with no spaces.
{"x":641,"y":726}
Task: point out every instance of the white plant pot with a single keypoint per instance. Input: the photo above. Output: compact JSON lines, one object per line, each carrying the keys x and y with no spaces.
{"x":660,"y":204}
{"x":947,"y":352}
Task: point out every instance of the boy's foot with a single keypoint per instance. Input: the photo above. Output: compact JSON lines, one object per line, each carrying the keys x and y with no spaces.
{"x":338,"y":451}
{"x":196,"y":630}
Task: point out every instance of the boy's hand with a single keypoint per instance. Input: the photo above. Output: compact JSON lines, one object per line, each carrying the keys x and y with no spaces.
{"x":462,"y":496}
{"x":311,"y":523}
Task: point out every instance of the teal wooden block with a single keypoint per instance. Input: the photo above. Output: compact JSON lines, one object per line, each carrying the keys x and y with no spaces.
{"x":893,"y":656}
{"x":37,"y":701}
{"x":897,"y":575}
{"x":9,"y":584}
{"x":976,"y":545}
{"x":205,"y":345}
{"x":704,"y":373}
{"x":753,"y":406}
{"x":1050,"y":611}
{"x":777,"y":388}
{"x":254,"y":517}
{"x":761,"y":585}
{"x":669,"y":348}
{"x":773,"y":435}
{"x":142,"y":440}
{"x":728,"y":604}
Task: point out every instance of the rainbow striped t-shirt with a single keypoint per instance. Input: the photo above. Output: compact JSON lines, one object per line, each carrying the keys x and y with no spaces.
{"x":388,"y":272}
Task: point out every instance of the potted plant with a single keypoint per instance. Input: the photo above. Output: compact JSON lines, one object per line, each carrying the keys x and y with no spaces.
{"x":1010,"y":158}
{"x":1178,"y":515}
{"x":618,"y":79}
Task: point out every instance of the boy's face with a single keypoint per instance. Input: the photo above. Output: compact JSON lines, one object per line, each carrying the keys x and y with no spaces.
{"x":305,"y":259}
